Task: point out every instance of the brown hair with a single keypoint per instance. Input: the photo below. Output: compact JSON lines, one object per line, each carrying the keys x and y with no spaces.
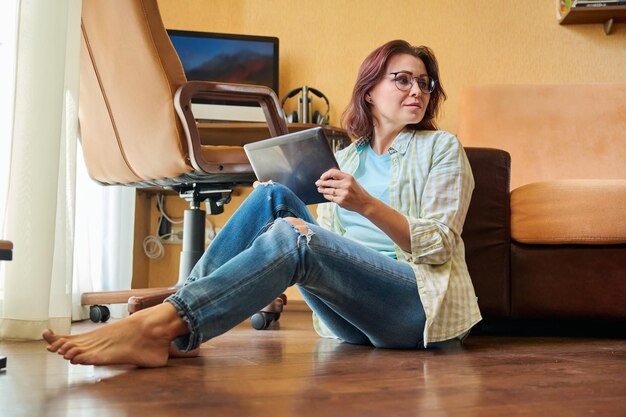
{"x":357,"y":118}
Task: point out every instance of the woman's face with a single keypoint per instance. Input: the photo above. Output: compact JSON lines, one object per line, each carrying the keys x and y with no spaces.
{"x":393,"y":108}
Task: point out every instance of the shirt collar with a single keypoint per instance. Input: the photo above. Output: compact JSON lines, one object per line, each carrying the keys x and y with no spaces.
{"x":400,"y":144}
{"x":362,"y":142}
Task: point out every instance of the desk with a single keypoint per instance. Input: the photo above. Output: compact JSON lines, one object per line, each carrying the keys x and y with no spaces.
{"x":238,"y":134}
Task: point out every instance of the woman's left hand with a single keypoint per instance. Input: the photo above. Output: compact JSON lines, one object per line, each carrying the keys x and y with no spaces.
{"x":342,"y":189}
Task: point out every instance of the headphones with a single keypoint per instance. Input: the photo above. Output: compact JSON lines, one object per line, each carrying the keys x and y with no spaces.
{"x":304,"y":106}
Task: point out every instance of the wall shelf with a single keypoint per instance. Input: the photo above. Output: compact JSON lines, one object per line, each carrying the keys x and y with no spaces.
{"x":606,"y":15}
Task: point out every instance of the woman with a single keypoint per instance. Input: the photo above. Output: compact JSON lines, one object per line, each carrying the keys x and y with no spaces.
{"x":384,"y":265}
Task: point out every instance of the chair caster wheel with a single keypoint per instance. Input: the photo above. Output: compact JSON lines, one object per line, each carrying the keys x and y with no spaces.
{"x":270,"y":313}
{"x":99,"y":313}
{"x":262,"y":320}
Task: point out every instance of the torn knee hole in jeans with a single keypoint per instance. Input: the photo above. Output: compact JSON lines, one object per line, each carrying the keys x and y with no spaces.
{"x":301,"y":228}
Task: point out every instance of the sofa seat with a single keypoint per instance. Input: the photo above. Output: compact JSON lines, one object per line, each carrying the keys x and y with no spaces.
{"x":568,"y":249}
{"x":583,"y":212}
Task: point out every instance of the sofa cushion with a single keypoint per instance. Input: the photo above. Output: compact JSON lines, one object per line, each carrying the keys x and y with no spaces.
{"x":569,"y":212}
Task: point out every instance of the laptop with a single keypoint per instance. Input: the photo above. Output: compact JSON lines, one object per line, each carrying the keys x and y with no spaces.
{"x":295,"y":160}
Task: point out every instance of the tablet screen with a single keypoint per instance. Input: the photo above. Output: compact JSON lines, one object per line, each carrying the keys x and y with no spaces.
{"x":295,"y":160}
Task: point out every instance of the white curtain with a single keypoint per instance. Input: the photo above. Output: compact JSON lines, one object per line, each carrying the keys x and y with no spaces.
{"x":8,"y":35}
{"x":103,"y":240}
{"x":62,"y":224}
{"x":38,"y":218}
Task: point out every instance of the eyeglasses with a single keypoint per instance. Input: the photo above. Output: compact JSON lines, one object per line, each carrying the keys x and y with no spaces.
{"x":405,"y":82}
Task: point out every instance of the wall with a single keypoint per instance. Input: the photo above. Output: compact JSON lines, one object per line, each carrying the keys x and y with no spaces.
{"x":322,"y":43}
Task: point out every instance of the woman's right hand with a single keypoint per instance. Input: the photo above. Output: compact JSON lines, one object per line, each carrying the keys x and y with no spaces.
{"x":342,"y":189}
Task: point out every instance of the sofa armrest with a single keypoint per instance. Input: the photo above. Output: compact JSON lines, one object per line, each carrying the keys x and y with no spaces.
{"x":486,"y":232}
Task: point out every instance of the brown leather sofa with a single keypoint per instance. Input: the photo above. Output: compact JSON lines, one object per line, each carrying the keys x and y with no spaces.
{"x":566,"y":232}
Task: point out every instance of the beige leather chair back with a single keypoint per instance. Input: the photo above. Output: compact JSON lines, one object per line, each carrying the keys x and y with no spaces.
{"x":552,"y":132}
{"x":129,"y":72}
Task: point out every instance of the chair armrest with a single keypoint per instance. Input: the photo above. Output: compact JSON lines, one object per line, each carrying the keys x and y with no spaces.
{"x":264,"y":96}
{"x":487,"y":230}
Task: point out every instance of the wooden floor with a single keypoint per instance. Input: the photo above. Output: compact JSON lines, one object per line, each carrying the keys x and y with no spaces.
{"x":292,"y":372}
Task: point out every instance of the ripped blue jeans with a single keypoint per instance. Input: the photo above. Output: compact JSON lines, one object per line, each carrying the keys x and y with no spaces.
{"x":362,"y":296}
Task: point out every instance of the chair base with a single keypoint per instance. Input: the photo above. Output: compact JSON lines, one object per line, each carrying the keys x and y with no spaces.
{"x":271,"y":313}
{"x":137,"y":299}
{"x":144,"y":298}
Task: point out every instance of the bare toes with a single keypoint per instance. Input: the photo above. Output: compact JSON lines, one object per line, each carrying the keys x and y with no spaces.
{"x":77,"y":360}
{"x":54,"y":346}
{"x":67,"y":346}
{"x":49,"y":336}
{"x":71,"y":353}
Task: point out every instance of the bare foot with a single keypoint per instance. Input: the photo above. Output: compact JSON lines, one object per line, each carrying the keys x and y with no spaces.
{"x":142,"y":339}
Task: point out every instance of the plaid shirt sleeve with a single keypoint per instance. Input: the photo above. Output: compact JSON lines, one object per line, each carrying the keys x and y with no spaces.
{"x":436,"y":232}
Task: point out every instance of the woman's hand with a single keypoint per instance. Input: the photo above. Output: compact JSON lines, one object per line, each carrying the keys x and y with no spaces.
{"x":342,"y":189}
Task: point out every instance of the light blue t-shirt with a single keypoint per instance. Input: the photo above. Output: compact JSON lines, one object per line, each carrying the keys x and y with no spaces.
{"x":373,"y":175}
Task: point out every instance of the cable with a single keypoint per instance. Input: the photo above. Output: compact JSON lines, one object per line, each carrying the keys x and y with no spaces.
{"x":153,"y":248}
{"x":210,"y":230}
{"x":153,"y":244}
{"x":161,"y":207}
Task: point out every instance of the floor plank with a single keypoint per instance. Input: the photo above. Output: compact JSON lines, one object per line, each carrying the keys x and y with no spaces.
{"x":292,"y":372}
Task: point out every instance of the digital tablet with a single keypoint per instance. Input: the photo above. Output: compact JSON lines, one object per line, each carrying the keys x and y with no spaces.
{"x":295,"y":160}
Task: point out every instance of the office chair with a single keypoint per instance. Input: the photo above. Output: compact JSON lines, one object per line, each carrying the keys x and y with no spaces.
{"x":138,"y":130}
